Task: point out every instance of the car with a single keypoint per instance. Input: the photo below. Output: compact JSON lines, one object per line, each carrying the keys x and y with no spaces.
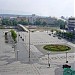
{"x":53,"y":35}
{"x":22,"y":39}
{"x":50,"y":34}
{"x":59,"y":37}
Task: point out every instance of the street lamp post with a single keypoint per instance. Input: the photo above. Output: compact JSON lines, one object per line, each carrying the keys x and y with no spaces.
{"x":48,"y":59}
{"x":23,"y":36}
{"x":17,"y":54}
{"x":18,"y":36}
{"x":14,"y":46}
{"x":25,"y":39}
{"x":47,"y":29}
{"x":66,"y":57}
{"x":29,"y":45}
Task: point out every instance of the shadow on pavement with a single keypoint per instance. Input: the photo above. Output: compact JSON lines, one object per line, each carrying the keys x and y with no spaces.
{"x":59,"y":71}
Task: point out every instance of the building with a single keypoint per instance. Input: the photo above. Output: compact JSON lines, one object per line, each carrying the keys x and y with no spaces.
{"x":0,"y":20}
{"x":32,"y":18}
{"x":47,"y":20}
{"x":21,"y":19}
{"x":71,"y":24}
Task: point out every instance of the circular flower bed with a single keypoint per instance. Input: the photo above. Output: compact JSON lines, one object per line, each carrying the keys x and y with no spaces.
{"x":56,"y":47}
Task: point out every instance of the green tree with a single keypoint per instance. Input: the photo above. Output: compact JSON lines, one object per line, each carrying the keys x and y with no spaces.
{"x":14,"y":35}
{"x":38,"y":22}
{"x":44,"y":23}
{"x":62,"y":26}
{"x":23,"y":22}
{"x":52,"y":31}
{"x":61,"y":22}
{"x":70,"y":35}
{"x":4,"y":21}
{"x":14,"y":22}
{"x":9,"y":22}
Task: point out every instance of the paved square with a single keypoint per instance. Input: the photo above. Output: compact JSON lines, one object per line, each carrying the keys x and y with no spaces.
{"x":38,"y":65}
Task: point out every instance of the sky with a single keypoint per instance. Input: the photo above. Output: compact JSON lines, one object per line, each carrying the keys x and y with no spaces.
{"x":39,"y":7}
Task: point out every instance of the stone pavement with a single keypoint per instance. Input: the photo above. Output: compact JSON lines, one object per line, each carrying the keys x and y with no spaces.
{"x":9,"y":65}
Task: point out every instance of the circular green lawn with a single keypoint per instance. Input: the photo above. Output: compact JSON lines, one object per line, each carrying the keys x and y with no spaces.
{"x":56,"y":47}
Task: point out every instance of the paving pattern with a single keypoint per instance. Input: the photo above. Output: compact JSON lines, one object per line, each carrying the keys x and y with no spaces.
{"x":38,"y":65}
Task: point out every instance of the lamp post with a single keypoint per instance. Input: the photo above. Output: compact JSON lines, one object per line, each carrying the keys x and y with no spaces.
{"x":18,"y":36}
{"x":17,"y":54}
{"x":29,"y":45}
{"x":48,"y":58}
{"x":25,"y":39}
{"x":66,"y":57}
{"x":47,"y":28}
{"x":14,"y":46}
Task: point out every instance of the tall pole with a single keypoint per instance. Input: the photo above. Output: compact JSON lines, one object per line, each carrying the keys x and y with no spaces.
{"x":17,"y":54}
{"x":25,"y":39}
{"x":48,"y":59}
{"x":29,"y":45}
{"x":47,"y":29}
{"x":14,"y":46}
{"x":66,"y":57}
{"x":18,"y":36}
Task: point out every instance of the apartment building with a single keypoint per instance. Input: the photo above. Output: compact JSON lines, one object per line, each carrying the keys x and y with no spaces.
{"x":71,"y":24}
{"x":48,"y":20}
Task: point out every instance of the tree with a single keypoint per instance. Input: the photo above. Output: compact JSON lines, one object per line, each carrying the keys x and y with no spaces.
{"x":70,"y":35}
{"x":9,"y":22}
{"x":62,"y":26}
{"x":14,"y":22}
{"x":58,"y":32}
{"x":44,"y":23}
{"x":52,"y":31}
{"x":23,"y":22}
{"x":14,"y":35}
{"x":38,"y":22}
{"x":4,"y":21}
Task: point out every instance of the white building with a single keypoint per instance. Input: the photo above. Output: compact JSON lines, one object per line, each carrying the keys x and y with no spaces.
{"x":71,"y":24}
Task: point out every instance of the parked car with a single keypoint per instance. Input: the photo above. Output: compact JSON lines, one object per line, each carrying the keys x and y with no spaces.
{"x":53,"y":35}
{"x":50,"y":34}
{"x":59,"y":37}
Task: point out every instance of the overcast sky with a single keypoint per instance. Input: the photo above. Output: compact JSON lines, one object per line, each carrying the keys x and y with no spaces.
{"x":38,"y":7}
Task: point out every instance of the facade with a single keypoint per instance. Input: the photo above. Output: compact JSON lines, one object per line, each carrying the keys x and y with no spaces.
{"x":33,"y":18}
{"x":71,"y":24}
{"x":48,"y":20}
{"x":22,"y":19}
{"x":0,"y":20}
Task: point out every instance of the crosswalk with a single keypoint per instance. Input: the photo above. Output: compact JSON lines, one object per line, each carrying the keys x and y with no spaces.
{"x":59,"y":57}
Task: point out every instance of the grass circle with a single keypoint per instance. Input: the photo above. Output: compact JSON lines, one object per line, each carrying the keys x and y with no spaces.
{"x":56,"y":47}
